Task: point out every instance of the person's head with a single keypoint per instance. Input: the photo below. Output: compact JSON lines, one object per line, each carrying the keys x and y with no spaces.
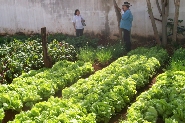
{"x":126,"y":6}
{"x":77,"y":12}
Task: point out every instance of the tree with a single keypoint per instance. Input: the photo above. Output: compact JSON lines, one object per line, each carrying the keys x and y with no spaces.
{"x":118,"y":15}
{"x":177,"y":6}
{"x":150,"y":12}
{"x":164,"y":13}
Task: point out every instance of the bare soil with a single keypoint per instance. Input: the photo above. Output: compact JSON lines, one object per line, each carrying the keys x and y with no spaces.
{"x":9,"y":115}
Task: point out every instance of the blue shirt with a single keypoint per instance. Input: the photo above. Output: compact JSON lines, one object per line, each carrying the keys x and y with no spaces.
{"x":126,"y":20}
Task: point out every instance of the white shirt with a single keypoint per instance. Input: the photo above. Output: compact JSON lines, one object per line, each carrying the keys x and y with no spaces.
{"x":78,"y":21}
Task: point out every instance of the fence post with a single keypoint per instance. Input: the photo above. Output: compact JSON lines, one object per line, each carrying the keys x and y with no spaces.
{"x":47,"y":59}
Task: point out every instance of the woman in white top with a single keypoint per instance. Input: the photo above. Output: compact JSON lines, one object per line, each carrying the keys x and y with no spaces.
{"x":77,"y":23}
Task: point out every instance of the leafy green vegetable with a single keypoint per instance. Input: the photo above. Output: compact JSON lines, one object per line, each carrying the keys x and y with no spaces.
{"x":2,"y":114}
{"x":110,"y":90}
{"x":28,"y":90}
{"x":56,"y":110}
{"x":17,"y":57}
{"x":165,"y":99}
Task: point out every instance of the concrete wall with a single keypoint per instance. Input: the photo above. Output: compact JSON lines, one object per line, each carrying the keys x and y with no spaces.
{"x":29,"y":16}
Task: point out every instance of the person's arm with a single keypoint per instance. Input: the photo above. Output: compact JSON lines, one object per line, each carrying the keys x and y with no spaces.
{"x":74,"y":26}
{"x":83,"y":20}
{"x":126,"y":15}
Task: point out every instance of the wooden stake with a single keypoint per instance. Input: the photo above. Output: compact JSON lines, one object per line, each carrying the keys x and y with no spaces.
{"x":47,"y":58}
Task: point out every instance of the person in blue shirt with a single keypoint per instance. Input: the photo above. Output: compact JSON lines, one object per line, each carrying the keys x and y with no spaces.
{"x":126,"y":24}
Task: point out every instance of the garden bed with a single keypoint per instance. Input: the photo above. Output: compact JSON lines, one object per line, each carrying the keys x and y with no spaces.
{"x":122,"y":115}
{"x":141,"y":85}
{"x":164,"y":101}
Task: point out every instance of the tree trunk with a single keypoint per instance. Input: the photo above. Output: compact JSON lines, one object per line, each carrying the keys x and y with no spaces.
{"x":118,"y":15}
{"x":177,"y":5}
{"x":165,"y":11}
{"x":153,"y":22}
{"x":159,"y":8}
{"x":47,"y":58}
{"x":164,"y":29}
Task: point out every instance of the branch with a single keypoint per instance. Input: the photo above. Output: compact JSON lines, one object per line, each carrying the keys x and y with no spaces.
{"x":156,"y":19}
{"x":163,"y":7}
{"x":116,"y":6}
{"x":118,"y":15}
{"x":167,"y":8}
{"x":158,"y":6}
{"x":150,"y":12}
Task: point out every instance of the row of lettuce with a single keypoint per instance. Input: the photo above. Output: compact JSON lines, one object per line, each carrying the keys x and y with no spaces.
{"x":165,"y":101}
{"x":99,"y":97}
{"x":18,"y":56}
{"x":35,"y":86}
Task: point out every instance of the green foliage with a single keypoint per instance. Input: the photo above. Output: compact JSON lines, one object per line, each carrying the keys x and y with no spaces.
{"x":117,"y":50}
{"x":87,"y":54}
{"x":59,"y":51}
{"x":104,"y":55}
{"x":18,"y":57}
{"x":82,"y":41}
{"x":22,"y":38}
{"x":77,"y":42}
{"x":58,"y":36}
{"x":177,"y":61}
{"x":180,"y":29}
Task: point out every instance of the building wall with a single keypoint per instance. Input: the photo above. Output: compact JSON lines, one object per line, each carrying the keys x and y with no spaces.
{"x":29,"y":16}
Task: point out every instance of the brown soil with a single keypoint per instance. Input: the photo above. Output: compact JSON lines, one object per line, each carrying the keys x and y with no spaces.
{"x":160,"y":120}
{"x":9,"y":115}
{"x":97,"y":67}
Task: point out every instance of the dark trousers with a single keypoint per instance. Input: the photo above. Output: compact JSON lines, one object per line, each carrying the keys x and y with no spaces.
{"x":126,"y":39}
{"x":79,"y":32}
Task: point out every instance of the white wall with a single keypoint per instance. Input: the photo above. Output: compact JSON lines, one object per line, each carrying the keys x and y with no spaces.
{"x":29,"y":16}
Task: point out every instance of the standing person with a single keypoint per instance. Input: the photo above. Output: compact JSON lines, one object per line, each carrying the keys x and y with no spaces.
{"x":78,"y":23}
{"x":126,"y":24}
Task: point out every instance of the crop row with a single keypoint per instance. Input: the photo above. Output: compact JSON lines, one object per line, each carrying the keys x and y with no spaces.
{"x":36,"y":86}
{"x":17,"y":57}
{"x":107,"y":91}
{"x":55,"y":110}
{"x":165,"y":100}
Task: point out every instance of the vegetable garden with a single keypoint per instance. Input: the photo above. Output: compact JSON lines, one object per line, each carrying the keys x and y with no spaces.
{"x":73,"y":91}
